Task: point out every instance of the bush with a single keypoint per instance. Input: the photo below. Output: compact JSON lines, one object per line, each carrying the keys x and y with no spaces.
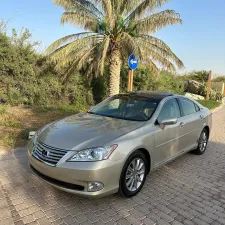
{"x":200,"y":76}
{"x":210,"y":104}
{"x":169,"y":82}
{"x":215,"y":96}
{"x":144,"y":79}
{"x":3,"y":109}
{"x":219,"y":79}
{"x":27,"y":77}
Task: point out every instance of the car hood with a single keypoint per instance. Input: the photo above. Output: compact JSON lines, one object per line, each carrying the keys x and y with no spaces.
{"x":85,"y":131}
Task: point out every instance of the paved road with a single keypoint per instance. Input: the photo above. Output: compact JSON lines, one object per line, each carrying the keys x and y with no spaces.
{"x":189,"y":190}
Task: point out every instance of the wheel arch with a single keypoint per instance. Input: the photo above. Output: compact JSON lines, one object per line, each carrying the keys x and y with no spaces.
{"x":207,"y":128}
{"x":148,"y":157}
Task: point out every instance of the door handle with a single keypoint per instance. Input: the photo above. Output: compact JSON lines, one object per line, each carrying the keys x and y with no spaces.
{"x":201,"y":117}
{"x":182,"y":124}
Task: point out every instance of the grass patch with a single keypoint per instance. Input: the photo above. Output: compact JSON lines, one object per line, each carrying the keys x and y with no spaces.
{"x":60,"y":108}
{"x":210,"y":104}
{"x":3,"y":109}
{"x":10,"y":138}
{"x":43,"y":109}
{"x":10,"y":120}
{"x":17,"y":121}
{"x":72,"y":108}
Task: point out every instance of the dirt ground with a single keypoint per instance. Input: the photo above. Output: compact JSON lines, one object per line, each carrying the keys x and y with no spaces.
{"x":16,"y":123}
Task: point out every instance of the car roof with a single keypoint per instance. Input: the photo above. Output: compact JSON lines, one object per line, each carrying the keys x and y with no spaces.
{"x":149,"y":94}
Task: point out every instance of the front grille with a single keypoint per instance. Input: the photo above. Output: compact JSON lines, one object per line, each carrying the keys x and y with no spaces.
{"x":47,"y":153}
{"x":57,"y":182}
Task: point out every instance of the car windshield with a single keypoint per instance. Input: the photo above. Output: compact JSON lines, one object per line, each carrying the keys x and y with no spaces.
{"x":127,"y":107}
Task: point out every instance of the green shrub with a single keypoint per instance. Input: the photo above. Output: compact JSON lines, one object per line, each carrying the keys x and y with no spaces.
{"x":169,"y":82}
{"x":219,"y":79}
{"x":215,"y":96}
{"x":209,"y":103}
{"x":3,"y":109}
{"x":26,"y":77}
{"x":200,"y":76}
{"x":144,"y":79}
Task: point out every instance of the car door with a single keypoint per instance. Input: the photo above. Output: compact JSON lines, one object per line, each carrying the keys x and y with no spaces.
{"x":191,"y":123}
{"x":167,"y":139}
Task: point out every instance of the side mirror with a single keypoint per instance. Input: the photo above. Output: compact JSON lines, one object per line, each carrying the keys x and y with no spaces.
{"x":167,"y":122}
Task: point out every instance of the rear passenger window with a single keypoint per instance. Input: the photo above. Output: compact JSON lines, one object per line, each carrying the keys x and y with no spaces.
{"x":187,"y":106}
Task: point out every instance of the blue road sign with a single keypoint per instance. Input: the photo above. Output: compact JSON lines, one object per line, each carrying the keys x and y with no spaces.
{"x":132,"y":62}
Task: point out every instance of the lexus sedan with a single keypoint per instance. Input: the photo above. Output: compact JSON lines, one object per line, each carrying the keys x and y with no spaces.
{"x":113,"y":147}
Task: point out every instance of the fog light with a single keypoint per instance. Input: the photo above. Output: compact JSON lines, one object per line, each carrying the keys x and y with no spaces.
{"x":95,"y":186}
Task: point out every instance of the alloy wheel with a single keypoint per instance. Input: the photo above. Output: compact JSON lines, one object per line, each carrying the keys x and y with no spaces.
{"x":135,"y":174}
{"x":203,"y":142}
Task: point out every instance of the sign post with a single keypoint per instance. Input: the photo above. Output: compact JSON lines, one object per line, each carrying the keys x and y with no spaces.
{"x":133,"y":64}
{"x":209,"y":85}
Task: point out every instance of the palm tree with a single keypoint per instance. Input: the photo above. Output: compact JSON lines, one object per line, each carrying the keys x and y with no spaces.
{"x":113,"y":30}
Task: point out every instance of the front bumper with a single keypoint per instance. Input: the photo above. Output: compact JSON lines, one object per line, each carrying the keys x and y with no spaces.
{"x":73,"y":177}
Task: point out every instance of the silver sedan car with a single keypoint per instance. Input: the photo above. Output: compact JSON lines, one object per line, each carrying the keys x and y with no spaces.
{"x":113,"y":147}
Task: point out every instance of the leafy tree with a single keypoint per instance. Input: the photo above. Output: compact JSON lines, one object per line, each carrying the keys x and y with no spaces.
{"x":113,"y":30}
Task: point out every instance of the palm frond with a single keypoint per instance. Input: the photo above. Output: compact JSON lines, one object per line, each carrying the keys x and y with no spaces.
{"x":77,"y":64}
{"x":158,"y":45}
{"x":164,"y":62}
{"x":145,"y":6}
{"x":83,"y":59}
{"x":79,"y":18}
{"x":157,"y":21}
{"x":70,"y":58}
{"x":152,"y":66}
{"x":128,"y":6}
{"x":130,"y":46}
{"x":109,"y":12}
{"x":86,"y":5}
{"x":162,"y":59}
{"x":74,"y":48}
{"x":65,"y":40}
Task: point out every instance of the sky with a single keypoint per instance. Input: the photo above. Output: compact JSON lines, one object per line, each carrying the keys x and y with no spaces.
{"x":199,"y":42}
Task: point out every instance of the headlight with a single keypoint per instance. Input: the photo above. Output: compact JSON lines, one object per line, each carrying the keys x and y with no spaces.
{"x":35,"y":137}
{"x":93,"y":154}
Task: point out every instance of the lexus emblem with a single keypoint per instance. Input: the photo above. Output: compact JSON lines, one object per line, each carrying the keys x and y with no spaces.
{"x":45,"y":153}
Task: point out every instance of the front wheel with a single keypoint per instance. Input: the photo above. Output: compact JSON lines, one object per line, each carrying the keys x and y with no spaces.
{"x":202,"y":143}
{"x":133,"y":174}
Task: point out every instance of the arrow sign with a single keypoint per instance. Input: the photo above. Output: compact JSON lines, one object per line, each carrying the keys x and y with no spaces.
{"x":132,"y":62}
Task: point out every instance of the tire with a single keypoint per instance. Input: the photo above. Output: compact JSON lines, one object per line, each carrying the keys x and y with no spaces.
{"x":202,"y":142}
{"x":132,"y":179}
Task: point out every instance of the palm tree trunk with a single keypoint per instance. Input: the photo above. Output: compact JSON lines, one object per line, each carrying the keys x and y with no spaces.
{"x":114,"y":68}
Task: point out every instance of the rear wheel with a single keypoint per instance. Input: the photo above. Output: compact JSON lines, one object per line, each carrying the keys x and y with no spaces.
{"x":133,"y":174}
{"x":202,"y":142}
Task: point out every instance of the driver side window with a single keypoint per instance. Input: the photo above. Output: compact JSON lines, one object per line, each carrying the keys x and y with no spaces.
{"x":170,"y":110}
